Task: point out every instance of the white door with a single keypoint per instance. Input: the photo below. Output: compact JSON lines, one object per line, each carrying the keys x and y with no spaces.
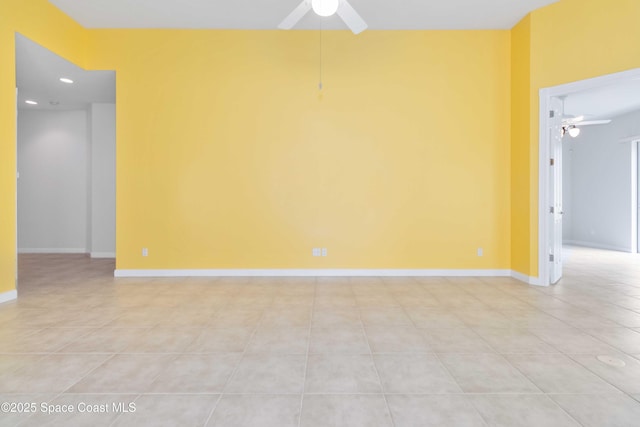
{"x":555,"y":190}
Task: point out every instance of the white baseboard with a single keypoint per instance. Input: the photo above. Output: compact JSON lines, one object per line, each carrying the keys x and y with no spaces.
{"x":526,"y":279}
{"x":8,"y":296}
{"x":596,"y":246}
{"x":312,"y":272}
{"x":103,"y":254}
{"x":52,"y":250}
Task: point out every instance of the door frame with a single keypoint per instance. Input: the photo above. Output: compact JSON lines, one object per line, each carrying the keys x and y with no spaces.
{"x":634,"y":195}
{"x":544,"y":157}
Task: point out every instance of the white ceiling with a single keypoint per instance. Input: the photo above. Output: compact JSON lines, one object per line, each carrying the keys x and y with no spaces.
{"x":38,"y":73}
{"x":264,"y":15}
{"x":605,"y":102}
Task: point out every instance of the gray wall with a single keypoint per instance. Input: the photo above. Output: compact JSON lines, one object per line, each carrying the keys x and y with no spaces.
{"x":66,"y":186}
{"x":598,"y":185}
{"x":103,"y":182}
{"x":53,"y":150}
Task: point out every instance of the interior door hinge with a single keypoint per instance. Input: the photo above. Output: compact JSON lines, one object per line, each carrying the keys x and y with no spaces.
{"x":552,"y":209}
{"x":551,"y":257}
{"x":552,"y":114}
{"x":552,"y":162}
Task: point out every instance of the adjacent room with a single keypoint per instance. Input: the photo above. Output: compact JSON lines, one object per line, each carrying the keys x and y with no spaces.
{"x":318,"y":213}
{"x":66,"y":155}
{"x":600,"y":176}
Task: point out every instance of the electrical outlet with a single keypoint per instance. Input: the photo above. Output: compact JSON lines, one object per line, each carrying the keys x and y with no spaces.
{"x":324,"y":251}
{"x":145,"y":252}
{"x":480,"y":252}
{"x":316,"y":252}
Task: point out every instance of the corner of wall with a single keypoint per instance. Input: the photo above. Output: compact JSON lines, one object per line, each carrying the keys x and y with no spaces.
{"x":520,"y":146}
{"x":42,"y":22}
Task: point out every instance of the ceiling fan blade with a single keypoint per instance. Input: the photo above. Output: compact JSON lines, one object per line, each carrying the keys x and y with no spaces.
{"x":351,"y":17}
{"x":572,"y":119}
{"x":593,"y":122}
{"x":296,"y":15}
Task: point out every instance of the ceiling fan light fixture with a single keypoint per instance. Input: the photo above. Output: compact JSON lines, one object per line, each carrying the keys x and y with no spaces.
{"x":342,"y":8}
{"x":574,"y":131}
{"x":325,"y":7}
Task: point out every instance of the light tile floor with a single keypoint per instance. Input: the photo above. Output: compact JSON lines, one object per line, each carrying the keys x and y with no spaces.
{"x":322,"y":351}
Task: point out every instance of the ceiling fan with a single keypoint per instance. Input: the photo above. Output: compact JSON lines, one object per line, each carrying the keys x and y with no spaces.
{"x":326,"y":8}
{"x":580,"y":121}
{"x":572,"y":124}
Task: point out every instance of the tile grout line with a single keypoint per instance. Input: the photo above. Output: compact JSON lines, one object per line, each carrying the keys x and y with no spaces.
{"x":484,"y":419}
{"x":215,"y":406}
{"x":113,"y":423}
{"x":497,"y":353}
{"x":594,"y":373}
{"x":464,"y":288}
{"x":494,"y":393}
{"x":545,"y":394}
{"x":244,"y":352}
{"x":175,"y":355}
{"x":306,"y":362}
{"x":446,"y":369}
{"x":585,"y":330}
{"x":375,"y":367}
{"x":564,"y":410}
{"x":90,"y":371}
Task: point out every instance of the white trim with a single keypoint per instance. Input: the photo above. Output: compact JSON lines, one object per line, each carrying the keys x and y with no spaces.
{"x":543,"y":188}
{"x":634,"y":198}
{"x":635,"y":138}
{"x":52,"y":250}
{"x":8,"y":296}
{"x":103,"y":254}
{"x":585,"y":244}
{"x":524,"y":278}
{"x":543,"y":154}
{"x":312,"y":272}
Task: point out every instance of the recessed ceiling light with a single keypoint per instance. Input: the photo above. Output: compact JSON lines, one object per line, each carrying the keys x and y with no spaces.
{"x":30,"y":102}
{"x":66,"y":80}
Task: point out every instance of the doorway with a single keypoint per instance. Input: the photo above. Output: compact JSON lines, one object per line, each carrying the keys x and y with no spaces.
{"x":65,"y":155}
{"x":550,"y":166}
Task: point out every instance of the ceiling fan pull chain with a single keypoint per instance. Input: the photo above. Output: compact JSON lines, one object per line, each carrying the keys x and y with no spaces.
{"x":320,"y":71}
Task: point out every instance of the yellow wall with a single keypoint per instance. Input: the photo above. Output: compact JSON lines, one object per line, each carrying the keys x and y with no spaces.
{"x":571,"y":40}
{"x":421,"y":148}
{"x":230,"y":157}
{"x":520,"y":144}
{"x":43,"y":23}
